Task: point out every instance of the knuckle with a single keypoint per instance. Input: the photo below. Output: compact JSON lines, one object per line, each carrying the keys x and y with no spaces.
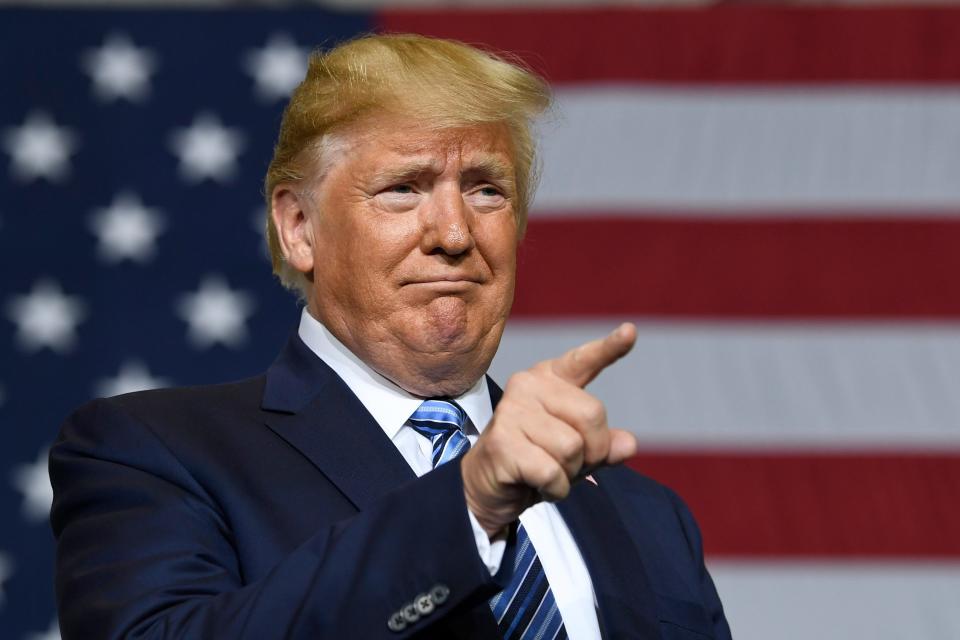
{"x":548,"y":473}
{"x":569,"y":446}
{"x":519,"y":382}
{"x":555,"y":477}
{"x":498,"y":444}
{"x":508,"y":415}
{"x":597,"y":452}
{"x":594,"y":412}
{"x":538,"y":476}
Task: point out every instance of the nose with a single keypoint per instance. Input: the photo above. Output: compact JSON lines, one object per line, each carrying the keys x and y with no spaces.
{"x":446,"y":223}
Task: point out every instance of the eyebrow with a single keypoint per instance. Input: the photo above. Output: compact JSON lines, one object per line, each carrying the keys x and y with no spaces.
{"x":406,"y":171}
{"x":491,"y":167}
{"x":486,"y":166}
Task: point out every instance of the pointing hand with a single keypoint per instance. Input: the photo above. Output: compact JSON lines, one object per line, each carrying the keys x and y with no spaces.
{"x":546,"y":431}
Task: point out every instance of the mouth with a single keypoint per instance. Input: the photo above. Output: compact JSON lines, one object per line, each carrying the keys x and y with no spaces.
{"x":444,"y":284}
{"x":443,"y":279}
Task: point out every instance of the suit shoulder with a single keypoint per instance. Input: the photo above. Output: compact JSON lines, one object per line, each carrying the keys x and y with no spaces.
{"x":173,"y":406}
{"x":242,"y":395}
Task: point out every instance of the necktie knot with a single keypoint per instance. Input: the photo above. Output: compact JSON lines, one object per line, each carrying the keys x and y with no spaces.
{"x":441,"y":421}
{"x":439,"y":414}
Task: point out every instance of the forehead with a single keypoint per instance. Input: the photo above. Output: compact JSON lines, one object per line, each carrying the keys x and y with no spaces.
{"x":391,"y":140}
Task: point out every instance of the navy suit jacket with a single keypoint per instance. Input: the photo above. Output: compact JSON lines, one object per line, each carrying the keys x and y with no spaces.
{"x":276,"y":507}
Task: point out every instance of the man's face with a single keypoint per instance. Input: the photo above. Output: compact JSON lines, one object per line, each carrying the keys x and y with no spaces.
{"x":414,"y":250}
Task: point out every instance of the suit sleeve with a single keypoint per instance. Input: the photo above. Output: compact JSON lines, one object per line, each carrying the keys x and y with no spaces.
{"x":710,"y":598}
{"x":144,"y":552}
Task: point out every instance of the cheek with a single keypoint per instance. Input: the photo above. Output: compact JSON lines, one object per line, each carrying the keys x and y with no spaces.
{"x":391,"y":242}
{"x":367,"y":237}
{"x":379,"y":248}
{"x":499,"y":244}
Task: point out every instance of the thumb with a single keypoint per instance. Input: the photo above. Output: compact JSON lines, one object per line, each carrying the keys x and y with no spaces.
{"x":623,"y":445}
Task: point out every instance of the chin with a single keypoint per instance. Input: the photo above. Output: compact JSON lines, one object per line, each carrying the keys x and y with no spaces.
{"x":450,"y":363}
{"x":445,"y":327}
{"x":453,"y":347}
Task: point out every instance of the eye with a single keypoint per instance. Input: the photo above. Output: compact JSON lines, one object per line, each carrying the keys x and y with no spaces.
{"x":486,"y":197}
{"x":399,"y":197}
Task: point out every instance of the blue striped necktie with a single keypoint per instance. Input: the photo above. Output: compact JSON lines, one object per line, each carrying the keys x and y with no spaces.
{"x":526,"y":608}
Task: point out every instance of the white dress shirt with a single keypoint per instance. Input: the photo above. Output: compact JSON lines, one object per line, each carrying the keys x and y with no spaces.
{"x":391,"y":406}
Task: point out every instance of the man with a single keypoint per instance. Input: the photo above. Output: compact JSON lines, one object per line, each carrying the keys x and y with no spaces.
{"x":331,"y":497}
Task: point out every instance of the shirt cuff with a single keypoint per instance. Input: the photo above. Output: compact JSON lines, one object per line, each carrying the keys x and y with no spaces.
{"x":491,"y":551}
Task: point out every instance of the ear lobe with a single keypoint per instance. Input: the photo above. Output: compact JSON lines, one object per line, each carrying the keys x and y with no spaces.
{"x":294,"y":232}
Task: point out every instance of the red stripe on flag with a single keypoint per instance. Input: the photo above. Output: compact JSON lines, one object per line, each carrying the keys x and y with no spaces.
{"x":744,"y":268}
{"x":794,"y":504}
{"x":746,"y":44}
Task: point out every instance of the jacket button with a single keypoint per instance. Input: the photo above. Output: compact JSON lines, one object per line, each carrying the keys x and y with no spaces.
{"x":410,"y":614}
{"x":439,"y":594}
{"x":397,"y":623}
{"x":424,"y":604}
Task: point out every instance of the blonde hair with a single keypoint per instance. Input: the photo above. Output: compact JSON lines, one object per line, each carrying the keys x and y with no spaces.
{"x":442,"y":83}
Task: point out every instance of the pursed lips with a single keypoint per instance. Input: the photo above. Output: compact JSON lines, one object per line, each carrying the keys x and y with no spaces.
{"x":448,"y":285}
{"x":441,"y":279}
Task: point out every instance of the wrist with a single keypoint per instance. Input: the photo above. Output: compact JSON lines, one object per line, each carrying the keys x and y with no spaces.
{"x":494,"y":528}
{"x":483,"y":517}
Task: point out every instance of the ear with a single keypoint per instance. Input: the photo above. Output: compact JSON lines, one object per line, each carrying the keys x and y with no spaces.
{"x":289,"y":208}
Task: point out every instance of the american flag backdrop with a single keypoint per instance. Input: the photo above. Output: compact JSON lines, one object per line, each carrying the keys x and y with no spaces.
{"x":772,"y":193}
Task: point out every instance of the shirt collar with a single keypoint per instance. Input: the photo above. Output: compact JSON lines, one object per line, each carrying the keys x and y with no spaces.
{"x":389,"y":405}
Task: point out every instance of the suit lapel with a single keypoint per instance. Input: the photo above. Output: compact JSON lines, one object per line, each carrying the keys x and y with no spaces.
{"x":624,"y":597}
{"x":315,"y":411}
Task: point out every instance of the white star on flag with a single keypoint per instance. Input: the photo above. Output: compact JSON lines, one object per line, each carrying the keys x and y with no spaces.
{"x":39,"y":148}
{"x":6,"y":570}
{"x":277,"y":68}
{"x":46,"y":317}
{"x":52,"y":633}
{"x":126,"y":229}
{"x":207,"y":149}
{"x":119,"y":69}
{"x":33,"y":481}
{"x":133,"y":376}
{"x":216,"y":314}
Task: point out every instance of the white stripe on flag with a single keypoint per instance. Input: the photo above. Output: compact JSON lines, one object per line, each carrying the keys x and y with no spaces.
{"x":634,"y":148}
{"x":831,"y":385}
{"x":839,"y":600}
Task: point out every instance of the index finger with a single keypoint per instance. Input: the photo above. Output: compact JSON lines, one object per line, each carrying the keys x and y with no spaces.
{"x":582,"y":364}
